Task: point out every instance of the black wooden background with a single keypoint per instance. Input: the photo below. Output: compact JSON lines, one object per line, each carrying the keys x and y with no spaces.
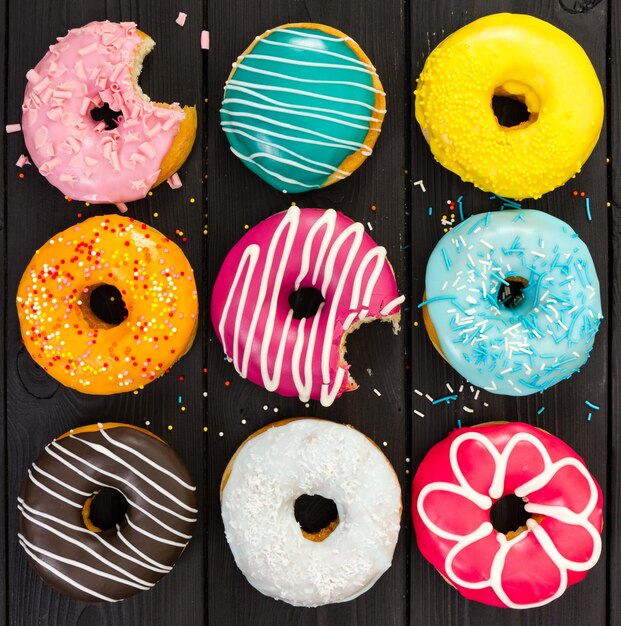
{"x":221,"y":196}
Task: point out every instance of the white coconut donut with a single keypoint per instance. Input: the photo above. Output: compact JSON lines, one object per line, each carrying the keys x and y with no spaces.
{"x":285,"y":460}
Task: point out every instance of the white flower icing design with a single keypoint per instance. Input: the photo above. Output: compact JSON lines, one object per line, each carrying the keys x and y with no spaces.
{"x":485,"y":500}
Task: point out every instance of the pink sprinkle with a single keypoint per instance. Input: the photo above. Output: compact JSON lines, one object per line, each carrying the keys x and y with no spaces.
{"x":147,"y":149}
{"x":205,"y":40}
{"x":23,"y":160}
{"x":88,"y":49}
{"x":174,"y":181}
{"x":121,"y":206}
{"x":181,"y":18}
{"x":13,"y":128}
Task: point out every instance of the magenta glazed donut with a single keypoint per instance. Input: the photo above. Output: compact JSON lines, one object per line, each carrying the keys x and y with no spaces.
{"x":465,"y":474}
{"x":292,"y":250}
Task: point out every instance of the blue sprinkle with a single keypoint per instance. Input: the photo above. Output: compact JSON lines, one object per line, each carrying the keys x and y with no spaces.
{"x":458,"y":423}
{"x":589,"y":417}
{"x":518,"y":218}
{"x":430,"y":210}
{"x":179,"y":399}
{"x":502,"y":280}
{"x":591,"y":405}
{"x":507,"y":202}
{"x":447,"y":261}
{"x":447,"y":399}
{"x":422,"y":304}
{"x":461,"y":208}
{"x":541,"y":410}
{"x":588,"y":210}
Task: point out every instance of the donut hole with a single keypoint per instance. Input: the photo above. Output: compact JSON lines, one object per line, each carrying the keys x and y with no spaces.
{"x":104,"y":510}
{"x":511,"y":109}
{"x":103,"y":306}
{"x":508,"y":515}
{"x":512,"y":295}
{"x":317,"y":516}
{"x":105,"y":114}
{"x":305,"y":302}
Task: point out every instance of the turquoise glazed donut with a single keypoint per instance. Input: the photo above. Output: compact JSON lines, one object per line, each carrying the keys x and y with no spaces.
{"x":303,"y":106}
{"x":512,"y":301}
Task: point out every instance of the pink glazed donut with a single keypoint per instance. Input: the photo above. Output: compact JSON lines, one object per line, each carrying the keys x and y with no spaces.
{"x":296,"y":249}
{"x":458,"y":482}
{"x":90,"y":67}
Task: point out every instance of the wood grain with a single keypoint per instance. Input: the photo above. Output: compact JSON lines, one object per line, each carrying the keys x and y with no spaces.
{"x":614,"y":251}
{"x":206,"y":586}
{"x":3,"y":303}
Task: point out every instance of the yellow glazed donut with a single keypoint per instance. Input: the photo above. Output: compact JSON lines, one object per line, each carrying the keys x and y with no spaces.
{"x":67,"y":339}
{"x":526,"y":59}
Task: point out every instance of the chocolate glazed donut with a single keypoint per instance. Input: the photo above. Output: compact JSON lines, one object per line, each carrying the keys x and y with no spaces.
{"x":64,"y":546}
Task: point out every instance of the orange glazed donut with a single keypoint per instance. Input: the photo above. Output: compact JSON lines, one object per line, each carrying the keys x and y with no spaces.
{"x":65,"y":336}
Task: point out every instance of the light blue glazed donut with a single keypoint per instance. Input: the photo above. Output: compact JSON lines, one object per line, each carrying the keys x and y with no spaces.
{"x":513,"y":343}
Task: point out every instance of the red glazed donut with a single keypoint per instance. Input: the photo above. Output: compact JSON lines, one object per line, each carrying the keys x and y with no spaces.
{"x":458,"y":482}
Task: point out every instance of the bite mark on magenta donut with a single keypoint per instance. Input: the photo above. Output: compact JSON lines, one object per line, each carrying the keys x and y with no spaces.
{"x":91,"y":67}
{"x":465,"y":474}
{"x":250,"y":302}
{"x":67,"y":550}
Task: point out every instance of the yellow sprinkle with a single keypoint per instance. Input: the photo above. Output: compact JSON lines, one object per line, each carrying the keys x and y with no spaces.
{"x":192,"y":201}
{"x":446,"y":230}
{"x":205,"y":429}
{"x":415,"y":323}
{"x":87,"y":204}
{"x":183,"y":408}
{"x":170,"y":427}
{"x":135,"y":392}
{"x":608,"y":204}
{"x":156,"y":215}
{"x":246,"y":226}
{"x":150,"y":193}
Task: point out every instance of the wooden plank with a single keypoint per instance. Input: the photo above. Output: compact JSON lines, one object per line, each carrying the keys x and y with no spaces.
{"x":3,"y":303}
{"x":614,"y":250}
{"x":236,"y":198}
{"x":432,"y":601}
{"x":38,"y":409}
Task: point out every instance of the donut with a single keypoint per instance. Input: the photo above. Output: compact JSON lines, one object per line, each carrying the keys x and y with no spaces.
{"x":293,"y":250}
{"x":512,"y":301}
{"x":303,"y":106}
{"x":97,"y":67}
{"x":525,"y":59}
{"x":64,"y":546}
{"x":278,"y":464}
{"x":465,"y":474}
{"x":67,"y":339}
